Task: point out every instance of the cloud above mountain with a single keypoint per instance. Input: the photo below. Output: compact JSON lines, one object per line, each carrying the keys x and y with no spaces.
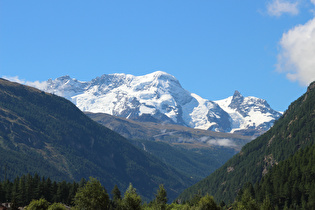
{"x":36,"y":84}
{"x":279,"y":7}
{"x":296,"y":46}
{"x":297,"y":53}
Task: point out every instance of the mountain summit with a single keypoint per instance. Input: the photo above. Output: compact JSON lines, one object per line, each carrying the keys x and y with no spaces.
{"x":46,"y":134}
{"x":249,"y":114}
{"x":159,"y":97}
{"x":292,"y":134}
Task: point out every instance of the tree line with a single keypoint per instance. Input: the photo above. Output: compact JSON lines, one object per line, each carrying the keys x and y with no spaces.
{"x":40,"y":193}
{"x":37,"y":192}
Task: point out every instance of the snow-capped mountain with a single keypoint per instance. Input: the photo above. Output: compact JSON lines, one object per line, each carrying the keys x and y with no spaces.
{"x":159,"y":97}
{"x":248,"y":113}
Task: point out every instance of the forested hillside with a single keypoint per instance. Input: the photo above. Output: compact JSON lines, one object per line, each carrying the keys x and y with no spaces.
{"x":46,"y":134}
{"x":295,"y":130}
{"x":194,"y":152}
{"x":290,"y":184}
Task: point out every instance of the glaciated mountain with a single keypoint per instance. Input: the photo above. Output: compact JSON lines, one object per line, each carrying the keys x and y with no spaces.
{"x":250,"y":115}
{"x":159,"y":97}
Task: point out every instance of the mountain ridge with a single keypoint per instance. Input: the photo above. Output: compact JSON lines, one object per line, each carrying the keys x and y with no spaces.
{"x":195,"y":152}
{"x":160,"y":97}
{"x":47,"y":134}
{"x":169,"y":133}
{"x":295,"y":130}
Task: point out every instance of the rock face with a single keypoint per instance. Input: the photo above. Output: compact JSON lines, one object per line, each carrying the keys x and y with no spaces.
{"x":159,"y":97}
{"x":248,"y":113}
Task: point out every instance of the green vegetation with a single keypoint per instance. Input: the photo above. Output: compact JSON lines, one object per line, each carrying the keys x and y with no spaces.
{"x":196,"y":163}
{"x":294,"y":131}
{"x":38,"y":204}
{"x":46,"y":134}
{"x":26,"y":188}
{"x":92,"y":196}
{"x":290,"y":184}
{"x":131,"y":199}
{"x":161,"y":198}
{"x":57,"y":206}
{"x":175,"y":145}
{"x":40,"y":194}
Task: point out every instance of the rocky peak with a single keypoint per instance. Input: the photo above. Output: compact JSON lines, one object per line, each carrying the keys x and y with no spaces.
{"x":64,"y":78}
{"x":311,"y":87}
{"x":236,"y":100}
{"x":237,"y":94}
{"x":160,"y":96}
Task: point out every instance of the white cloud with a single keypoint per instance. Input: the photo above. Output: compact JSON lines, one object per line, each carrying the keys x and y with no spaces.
{"x":222,"y":142}
{"x":313,"y":1}
{"x":14,"y":79}
{"x":279,"y":7}
{"x":297,"y":55}
{"x":36,"y":84}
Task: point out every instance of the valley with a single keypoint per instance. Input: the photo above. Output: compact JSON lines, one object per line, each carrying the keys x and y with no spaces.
{"x":47,"y":134}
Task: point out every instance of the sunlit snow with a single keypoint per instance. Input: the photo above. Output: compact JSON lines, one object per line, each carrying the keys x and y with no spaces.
{"x":159,"y":93}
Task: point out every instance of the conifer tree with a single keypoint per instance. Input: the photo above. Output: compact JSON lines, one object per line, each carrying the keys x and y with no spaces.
{"x":54,"y":189}
{"x":92,"y":196}
{"x":62,"y":192}
{"x":246,"y":202}
{"x":161,"y":197}
{"x":116,"y":193}
{"x":40,"y":204}
{"x":82,"y":182}
{"x":57,"y":206}
{"x":131,"y":200}
{"x":266,"y":204}
{"x":21,"y":193}
{"x":2,"y":195}
{"x":207,"y":202}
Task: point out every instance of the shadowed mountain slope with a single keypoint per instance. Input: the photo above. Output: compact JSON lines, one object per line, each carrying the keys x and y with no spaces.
{"x":194,"y":152}
{"x":293,"y":131}
{"x":47,"y":134}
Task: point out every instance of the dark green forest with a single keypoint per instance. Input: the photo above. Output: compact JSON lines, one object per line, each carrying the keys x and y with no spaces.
{"x":196,"y":163}
{"x":294,"y":131}
{"x":40,"y":193}
{"x":46,"y":134}
{"x":22,"y":190}
{"x":175,"y":145}
{"x":288,"y":185}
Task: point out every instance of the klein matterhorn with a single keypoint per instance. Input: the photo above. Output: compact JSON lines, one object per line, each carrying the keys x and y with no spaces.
{"x":159,"y":97}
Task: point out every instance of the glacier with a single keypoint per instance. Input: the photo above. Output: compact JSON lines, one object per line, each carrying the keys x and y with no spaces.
{"x":159,"y":97}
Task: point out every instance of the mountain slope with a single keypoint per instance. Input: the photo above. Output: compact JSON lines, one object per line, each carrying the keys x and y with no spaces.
{"x":47,"y":134}
{"x":195,"y":152}
{"x":290,"y":184}
{"x":156,"y":97}
{"x":293,"y":131}
{"x":169,"y":133}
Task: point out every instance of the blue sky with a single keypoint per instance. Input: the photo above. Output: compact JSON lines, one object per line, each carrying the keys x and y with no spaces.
{"x":261,"y":48}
